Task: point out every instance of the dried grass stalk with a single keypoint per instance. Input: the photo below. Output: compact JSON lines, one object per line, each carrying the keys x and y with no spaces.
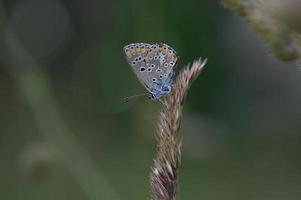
{"x":167,"y":161}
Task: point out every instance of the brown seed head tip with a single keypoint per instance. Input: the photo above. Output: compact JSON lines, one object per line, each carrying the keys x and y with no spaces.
{"x":198,"y":66}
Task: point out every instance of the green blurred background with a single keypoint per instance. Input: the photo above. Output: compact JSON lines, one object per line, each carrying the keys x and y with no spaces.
{"x":66,"y":134}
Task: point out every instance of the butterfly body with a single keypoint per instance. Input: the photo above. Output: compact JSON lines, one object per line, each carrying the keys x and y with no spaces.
{"x":153,"y":64}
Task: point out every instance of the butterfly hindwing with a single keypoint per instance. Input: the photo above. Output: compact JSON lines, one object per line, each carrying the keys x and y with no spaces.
{"x":152,"y":63}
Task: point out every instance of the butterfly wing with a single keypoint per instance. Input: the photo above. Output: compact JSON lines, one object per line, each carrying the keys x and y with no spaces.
{"x":151,"y":63}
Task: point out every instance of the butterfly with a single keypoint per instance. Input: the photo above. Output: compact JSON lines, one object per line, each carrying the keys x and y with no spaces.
{"x":153,"y":64}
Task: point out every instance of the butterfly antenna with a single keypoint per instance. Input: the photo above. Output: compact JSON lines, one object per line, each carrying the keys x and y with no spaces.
{"x":128,"y":99}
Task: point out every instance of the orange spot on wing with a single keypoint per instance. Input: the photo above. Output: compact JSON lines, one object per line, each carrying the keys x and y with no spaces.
{"x":132,"y":51}
{"x":151,"y":56}
{"x":128,"y":54}
{"x":169,"y":56}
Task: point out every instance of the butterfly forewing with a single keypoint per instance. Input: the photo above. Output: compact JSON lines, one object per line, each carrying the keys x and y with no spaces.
{"x":152,"y":63}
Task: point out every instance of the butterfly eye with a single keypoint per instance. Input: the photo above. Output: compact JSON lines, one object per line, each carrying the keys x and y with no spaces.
{"x":144,"y":60}
{"x":154,"y":79}
{"x":142,"y":69}
{"x":160,"y":76}
{"x":156,"y":57}
{"x":152,"y":65}
{"x":136,"y":59}
{"x":159,"y":70}
{"x":140,"y":58}
{"x":165,"y":65}
{"x":171,"y":63}
{"x":149,"y":69}
{"x":134,"y":63}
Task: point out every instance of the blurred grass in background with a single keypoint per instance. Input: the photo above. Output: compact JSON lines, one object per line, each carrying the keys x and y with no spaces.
{"x":66,"y":134}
